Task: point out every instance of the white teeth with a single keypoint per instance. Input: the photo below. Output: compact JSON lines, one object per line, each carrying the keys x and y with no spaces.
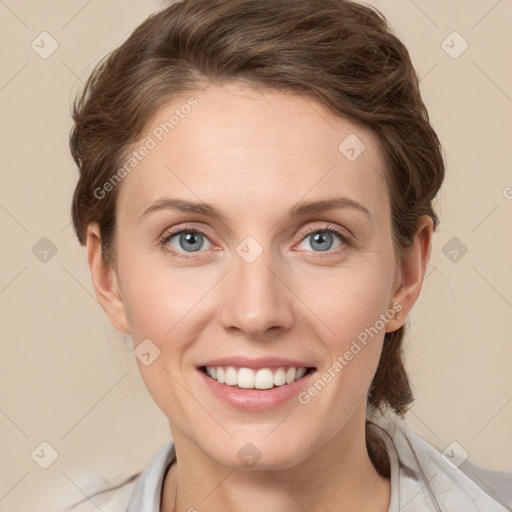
{"x":247,"y":378}
{"x":264,"y":379}
{"x":231,"y":376}
{"x":290,"y":375}
{"x":279,"y":377}
{"x":300,"y":373}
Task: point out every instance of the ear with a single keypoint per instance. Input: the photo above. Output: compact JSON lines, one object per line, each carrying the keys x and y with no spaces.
{"x":412,"y":272}
{"x":105,"y":281}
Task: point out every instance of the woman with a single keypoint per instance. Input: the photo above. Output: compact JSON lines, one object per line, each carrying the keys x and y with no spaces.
{"x":255,"y":195}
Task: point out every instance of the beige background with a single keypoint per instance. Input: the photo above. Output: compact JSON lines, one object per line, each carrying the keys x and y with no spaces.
{"x":69,"y":379}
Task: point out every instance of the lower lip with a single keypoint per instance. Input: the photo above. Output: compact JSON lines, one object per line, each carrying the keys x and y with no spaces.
{"x":255,"y":400}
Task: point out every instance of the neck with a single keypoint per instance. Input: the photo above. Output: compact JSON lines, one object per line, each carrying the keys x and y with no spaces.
{"x":338,"y":477}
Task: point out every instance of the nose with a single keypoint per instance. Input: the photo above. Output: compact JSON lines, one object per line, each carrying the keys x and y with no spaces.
{"x":258,"y":301}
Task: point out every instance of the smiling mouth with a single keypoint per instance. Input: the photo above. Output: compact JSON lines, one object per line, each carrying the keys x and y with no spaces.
{"x":261,"y":379}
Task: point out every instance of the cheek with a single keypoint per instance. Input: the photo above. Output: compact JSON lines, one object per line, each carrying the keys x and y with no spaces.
{"x":350,"y":306}
{"x":156,"y":295}
{"x":347,"y":300}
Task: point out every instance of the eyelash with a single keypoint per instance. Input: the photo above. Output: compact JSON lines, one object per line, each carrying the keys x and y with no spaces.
{"x":329,"y":228}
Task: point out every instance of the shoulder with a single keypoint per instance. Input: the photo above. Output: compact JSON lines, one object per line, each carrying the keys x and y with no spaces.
{"x":495,"y":483}
{"x":433,"y":480}
{"x":138,"y":493}
{"x":114,"y":498}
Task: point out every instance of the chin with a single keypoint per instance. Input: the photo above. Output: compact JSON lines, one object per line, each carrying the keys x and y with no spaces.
{"x":258,"y":454}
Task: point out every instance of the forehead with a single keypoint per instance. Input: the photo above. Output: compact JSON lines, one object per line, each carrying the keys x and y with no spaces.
{"x":242,"y":147}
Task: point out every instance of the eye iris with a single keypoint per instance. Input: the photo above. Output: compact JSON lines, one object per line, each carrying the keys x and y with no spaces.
{"x":320,"y":237}
{"x":194,"y":239}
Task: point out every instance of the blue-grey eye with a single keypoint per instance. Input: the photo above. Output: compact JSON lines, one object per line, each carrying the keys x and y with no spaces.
{"x":188,"y":241}
{"x":322,"y":240}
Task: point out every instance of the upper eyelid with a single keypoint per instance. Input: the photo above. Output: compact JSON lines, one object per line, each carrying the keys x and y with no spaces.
{"x":327,"y":227}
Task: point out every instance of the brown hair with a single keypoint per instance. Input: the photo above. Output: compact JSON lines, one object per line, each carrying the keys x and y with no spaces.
{"x":338,"y":52}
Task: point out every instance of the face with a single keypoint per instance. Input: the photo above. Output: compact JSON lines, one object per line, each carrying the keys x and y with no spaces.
{"x":229,"y":254}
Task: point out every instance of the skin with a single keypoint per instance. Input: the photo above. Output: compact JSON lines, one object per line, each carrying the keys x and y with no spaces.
{"x":254,"y":154}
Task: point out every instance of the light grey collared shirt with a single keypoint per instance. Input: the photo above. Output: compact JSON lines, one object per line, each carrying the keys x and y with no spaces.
{"x":422,"y":478}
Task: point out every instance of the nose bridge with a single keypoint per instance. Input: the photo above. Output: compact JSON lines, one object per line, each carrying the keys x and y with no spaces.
{"x":256,"y":299}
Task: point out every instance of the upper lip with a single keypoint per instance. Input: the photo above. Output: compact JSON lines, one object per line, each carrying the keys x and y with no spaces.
{"x":257,"y":362}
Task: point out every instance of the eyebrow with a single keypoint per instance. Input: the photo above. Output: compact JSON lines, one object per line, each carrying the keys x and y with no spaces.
{"x":299,"y":210}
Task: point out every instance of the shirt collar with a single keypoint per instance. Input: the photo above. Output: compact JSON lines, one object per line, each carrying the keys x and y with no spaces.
{"x":147,"y":495}
{"x":431,"y":485}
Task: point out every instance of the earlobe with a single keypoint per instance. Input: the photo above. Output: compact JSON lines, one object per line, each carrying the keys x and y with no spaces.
{"x":413,"y":266}
{"x":105,"y":281}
